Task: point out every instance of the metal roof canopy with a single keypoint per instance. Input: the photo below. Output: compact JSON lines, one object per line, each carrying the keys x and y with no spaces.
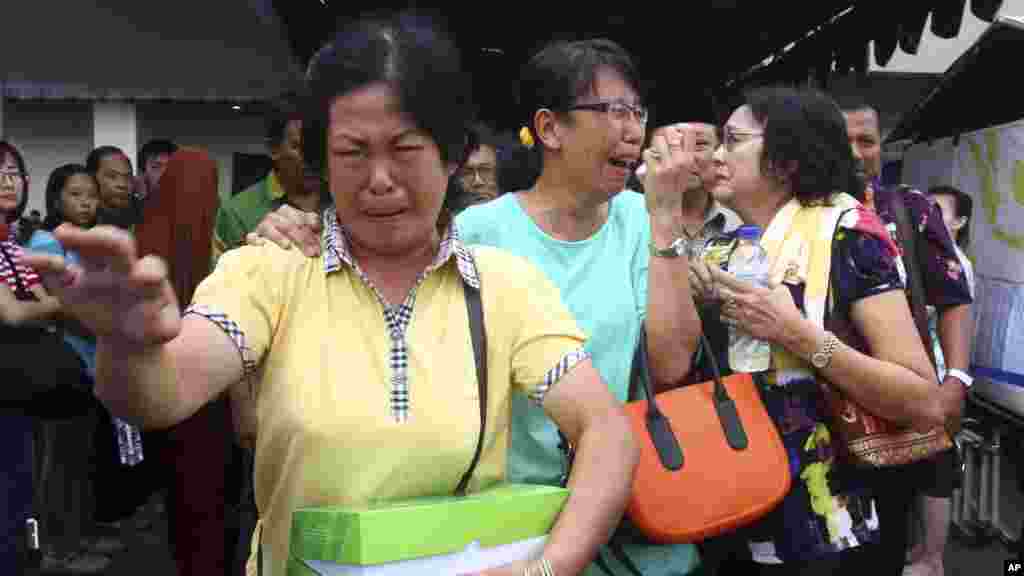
{"x":975,"y":92}
{"x":688,"y":55}
{"x":187,"y":50}
{"x":683,"y":52}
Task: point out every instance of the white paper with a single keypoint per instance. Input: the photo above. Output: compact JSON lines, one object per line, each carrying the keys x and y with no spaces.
{"x":999,"y":310}
{"x":988,"y":165}
{"x":994,"y":155}
{"x":472,"y":558}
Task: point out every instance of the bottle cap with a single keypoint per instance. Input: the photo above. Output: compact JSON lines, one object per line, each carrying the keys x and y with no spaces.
{"x":749,"y":232}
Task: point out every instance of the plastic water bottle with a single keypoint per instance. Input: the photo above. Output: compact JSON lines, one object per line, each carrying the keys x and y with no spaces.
{"x":749,"y":262}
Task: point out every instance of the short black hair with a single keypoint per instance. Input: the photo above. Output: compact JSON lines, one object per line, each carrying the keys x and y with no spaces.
{"x":92,"y":162}
{"x":413,"y":54}
{"x":556,"y":78}
{"x":409,"y":52}
{"x":281,"y":111}
{"x":563,"y":72}
{"x":155,"y":148}
{"x":481,"y":134}
{"x":964,"y":209}
{"x":805,"y":128}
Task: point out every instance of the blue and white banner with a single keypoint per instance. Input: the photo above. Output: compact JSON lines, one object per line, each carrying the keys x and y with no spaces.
{"x":989,"y":166}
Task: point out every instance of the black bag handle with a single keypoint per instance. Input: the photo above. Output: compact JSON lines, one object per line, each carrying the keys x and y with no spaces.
{"x":658,"y":426}
{"x":474,"y":307}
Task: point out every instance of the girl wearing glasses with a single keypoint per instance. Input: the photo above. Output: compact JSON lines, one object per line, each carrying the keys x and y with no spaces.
{"x":23,"y":302}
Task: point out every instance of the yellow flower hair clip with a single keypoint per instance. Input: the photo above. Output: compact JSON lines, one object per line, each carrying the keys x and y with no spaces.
{"x":525,"y":137}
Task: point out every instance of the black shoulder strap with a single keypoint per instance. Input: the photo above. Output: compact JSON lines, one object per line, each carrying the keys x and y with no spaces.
{"x":912,"y":260}
{"x":474,"y":307}
{"x":479,"y":336}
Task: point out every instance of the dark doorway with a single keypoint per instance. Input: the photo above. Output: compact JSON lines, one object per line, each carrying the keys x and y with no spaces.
{"x":248,"y":169}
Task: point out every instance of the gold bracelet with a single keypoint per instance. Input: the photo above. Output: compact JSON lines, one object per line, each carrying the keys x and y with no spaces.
{"x":540,"y":568}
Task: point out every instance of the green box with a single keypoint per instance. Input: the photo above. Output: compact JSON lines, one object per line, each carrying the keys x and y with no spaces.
{"x":395,"y":531}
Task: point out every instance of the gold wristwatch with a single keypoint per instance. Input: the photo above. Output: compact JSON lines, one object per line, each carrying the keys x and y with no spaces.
{"x":823,"y":357}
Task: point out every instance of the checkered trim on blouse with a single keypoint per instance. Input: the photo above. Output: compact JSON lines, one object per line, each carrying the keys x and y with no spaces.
{"x":564,"y":366}
{"x":233,"y":330}
{"x":336,"y":253}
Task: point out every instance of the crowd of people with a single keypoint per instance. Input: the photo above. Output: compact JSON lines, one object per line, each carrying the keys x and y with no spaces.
{"x":280,"y":349}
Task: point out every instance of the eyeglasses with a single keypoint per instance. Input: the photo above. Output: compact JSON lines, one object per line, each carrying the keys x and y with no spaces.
{"x":471,"y":173}
{"x":619,"y":111}
{"x":730,"y":140}
{"x":10,"y":175}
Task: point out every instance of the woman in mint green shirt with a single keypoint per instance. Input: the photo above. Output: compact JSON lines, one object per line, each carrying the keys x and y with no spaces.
{"x":585,"y":125}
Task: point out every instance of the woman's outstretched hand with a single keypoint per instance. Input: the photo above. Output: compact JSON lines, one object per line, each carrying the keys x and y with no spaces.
{"x":112,"y":292}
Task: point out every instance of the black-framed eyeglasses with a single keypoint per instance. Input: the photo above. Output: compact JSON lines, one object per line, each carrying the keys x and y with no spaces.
{"x":485,"y":173}
{"x":619,"y":111}
{"x":731,"y":137}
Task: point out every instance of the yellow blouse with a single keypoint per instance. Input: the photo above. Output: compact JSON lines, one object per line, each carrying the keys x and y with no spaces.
{"x":352,"y":402}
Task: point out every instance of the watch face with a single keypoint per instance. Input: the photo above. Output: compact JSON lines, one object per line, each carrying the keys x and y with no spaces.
{"x":694,"y":250}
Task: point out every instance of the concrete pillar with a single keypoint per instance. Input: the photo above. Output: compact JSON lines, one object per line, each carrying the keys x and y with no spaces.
{"x":115,"y":124}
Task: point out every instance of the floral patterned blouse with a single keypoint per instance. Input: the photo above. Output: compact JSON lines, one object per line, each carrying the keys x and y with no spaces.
{"x":829,"y":507}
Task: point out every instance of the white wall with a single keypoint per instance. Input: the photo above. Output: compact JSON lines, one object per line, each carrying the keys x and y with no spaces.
{"x":934,"y":54}
{"x":48,"y":134}
{"x":216,"y":128}
{"x":114,"y":124}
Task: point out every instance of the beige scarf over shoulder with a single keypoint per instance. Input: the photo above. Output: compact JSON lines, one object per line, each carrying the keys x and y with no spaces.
{"x":799,"y":246}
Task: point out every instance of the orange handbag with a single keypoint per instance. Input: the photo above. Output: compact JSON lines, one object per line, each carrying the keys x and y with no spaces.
{"x":711,"y":459}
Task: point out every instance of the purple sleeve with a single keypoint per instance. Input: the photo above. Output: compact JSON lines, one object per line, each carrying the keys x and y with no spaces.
{"x":866,"y":268}
{"x":945,"y":282}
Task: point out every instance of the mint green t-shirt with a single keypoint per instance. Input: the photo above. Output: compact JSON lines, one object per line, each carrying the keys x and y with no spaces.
{"x":603,"y":282}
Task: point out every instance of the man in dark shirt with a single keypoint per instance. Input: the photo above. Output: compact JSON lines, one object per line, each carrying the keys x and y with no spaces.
{"x":945,"y":287}
{"x":119,"y":205}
